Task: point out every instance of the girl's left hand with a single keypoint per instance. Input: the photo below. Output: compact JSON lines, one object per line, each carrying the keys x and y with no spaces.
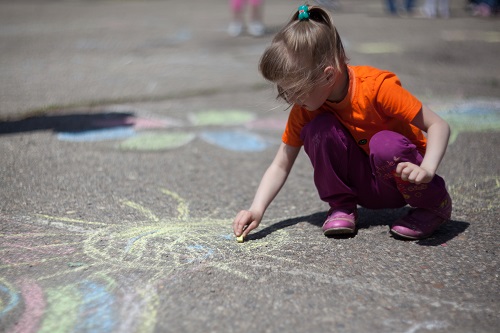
{"x":413,"y":173}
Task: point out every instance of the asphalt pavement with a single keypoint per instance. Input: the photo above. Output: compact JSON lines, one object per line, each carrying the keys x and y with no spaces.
{"x":132,"y":132}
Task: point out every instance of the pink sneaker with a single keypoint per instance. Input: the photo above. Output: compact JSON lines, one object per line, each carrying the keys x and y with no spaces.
{"x":340,"y":222}
{"x":421,"y":223}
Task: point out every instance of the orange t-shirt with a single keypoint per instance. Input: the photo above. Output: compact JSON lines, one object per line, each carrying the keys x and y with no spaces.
{"x":375,"y":101}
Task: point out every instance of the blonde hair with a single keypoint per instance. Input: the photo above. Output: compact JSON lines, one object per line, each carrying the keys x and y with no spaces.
{"x":301,"y":51}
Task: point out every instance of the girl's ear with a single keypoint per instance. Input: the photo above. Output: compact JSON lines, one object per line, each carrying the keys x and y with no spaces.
{"x":330,"y":73}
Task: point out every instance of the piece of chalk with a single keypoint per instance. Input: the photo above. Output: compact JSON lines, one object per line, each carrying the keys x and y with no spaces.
{"x":240,"y":239}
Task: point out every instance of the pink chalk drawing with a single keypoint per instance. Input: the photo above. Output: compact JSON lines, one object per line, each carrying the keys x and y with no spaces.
{"x":34,"y":308}
{"x":23,"y":252}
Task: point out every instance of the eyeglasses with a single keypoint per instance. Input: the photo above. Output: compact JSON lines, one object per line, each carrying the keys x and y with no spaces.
{"x":291,"y":96}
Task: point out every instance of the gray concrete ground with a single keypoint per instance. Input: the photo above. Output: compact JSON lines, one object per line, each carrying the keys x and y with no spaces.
{"x":132,"y":132}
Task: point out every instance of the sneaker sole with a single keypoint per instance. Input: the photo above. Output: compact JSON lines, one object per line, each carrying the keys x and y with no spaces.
{"x":338,"y":231}
{"x":406,"y":236}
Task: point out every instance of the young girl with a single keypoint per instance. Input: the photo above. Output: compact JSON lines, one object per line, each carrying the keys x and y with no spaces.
{"x":361,"y":130}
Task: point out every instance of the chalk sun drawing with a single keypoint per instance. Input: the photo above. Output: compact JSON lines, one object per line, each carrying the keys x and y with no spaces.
{"x":149,"y":134}
{"x":157,"y":244}
{"x":162,"y":245}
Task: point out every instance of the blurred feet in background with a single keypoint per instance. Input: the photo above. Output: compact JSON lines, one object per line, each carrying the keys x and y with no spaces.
{"x":400,"y":7}
{"x":255,"y":27}
{"x":436,"y":8}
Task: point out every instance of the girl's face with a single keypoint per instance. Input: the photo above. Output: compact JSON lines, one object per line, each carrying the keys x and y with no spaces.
{"x":315,"y":97}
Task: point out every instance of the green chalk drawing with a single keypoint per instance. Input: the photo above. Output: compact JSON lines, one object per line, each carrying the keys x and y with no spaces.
{"x":62,"y":314}
{"x":467,"y":35}
{"x":157,"y":141}
{"x":76,"y":264}
{"x":378,"y":48}
{"x":221,"y":117}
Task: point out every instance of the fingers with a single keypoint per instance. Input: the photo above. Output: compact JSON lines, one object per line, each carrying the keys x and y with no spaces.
{"x":242,"y":223}
{"x":249,"y":228}
{"x":407,"y":172}
{"x":412,"y":173}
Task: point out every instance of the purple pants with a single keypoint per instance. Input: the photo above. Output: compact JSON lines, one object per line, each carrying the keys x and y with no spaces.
{"x":346,"y":176}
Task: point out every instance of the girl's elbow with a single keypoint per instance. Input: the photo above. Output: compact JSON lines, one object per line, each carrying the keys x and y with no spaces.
{"x":446,"y":128}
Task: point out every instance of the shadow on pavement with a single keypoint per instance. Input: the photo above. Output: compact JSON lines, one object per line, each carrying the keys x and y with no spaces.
{"x":445,"y":233}
{"x":369,"y":218}
{"x":67,"y":123}
{"x":314,"y":219}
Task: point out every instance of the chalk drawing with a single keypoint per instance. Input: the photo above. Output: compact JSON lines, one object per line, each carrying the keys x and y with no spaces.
{"x":157,"y":244}
{"x":274,"y":124}
{"x":139,"y":310}
{"x":157,"y":141}
{"x":85,"y":306}
{"x":97,"y":309}
{"x":138,"y":123}
{"x":62,"y":312}
{"x":157,"y":134}
{"x":471,"y":35}
{"x":378,"y":48}
{"x":28,"y":252}
{"x":162,"y":245}
{"x":221,"y":117}
{"x":166,"y":247}
{"x":34,"y":308}
{"x":115,"y":133}
{"x":475,"y":115}
{"x":235,"y":140}
{"x":135,"y":133}
{"x":9,"y":298}
{"x":477,"y":194}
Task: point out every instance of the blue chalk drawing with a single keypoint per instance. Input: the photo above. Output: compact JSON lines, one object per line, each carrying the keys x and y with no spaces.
{"x":12,"y":300}
{"x":130,"y":242}
{"x":235,"y":140}
{"x":115,"y":133}
{"x":97,"y":309}
{"x":202,"y":253}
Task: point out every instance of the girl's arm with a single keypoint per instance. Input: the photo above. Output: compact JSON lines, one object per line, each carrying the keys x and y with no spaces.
{"x":438,"y":133}
{"x":271,"y":183}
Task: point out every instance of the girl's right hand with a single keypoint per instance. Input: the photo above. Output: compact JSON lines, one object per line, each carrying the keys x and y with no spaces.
{"x":245,"y":222}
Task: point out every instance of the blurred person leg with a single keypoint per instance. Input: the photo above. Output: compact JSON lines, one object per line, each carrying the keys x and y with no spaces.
{"x":256,"y":27}
{"x":409,"y":5}
{"x":392,"y":7}
{"x":235,"y":28}
{"x":429,"y":8}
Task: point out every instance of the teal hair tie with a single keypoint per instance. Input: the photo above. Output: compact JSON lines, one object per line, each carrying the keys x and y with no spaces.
{"x":303,"y":12}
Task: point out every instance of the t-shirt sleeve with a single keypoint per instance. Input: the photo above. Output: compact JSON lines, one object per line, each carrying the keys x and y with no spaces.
{"x":295,"y":123}
{"x":394,"y":100}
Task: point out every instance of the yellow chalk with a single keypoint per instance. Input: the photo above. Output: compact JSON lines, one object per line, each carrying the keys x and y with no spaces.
{"x":240,"y":239}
